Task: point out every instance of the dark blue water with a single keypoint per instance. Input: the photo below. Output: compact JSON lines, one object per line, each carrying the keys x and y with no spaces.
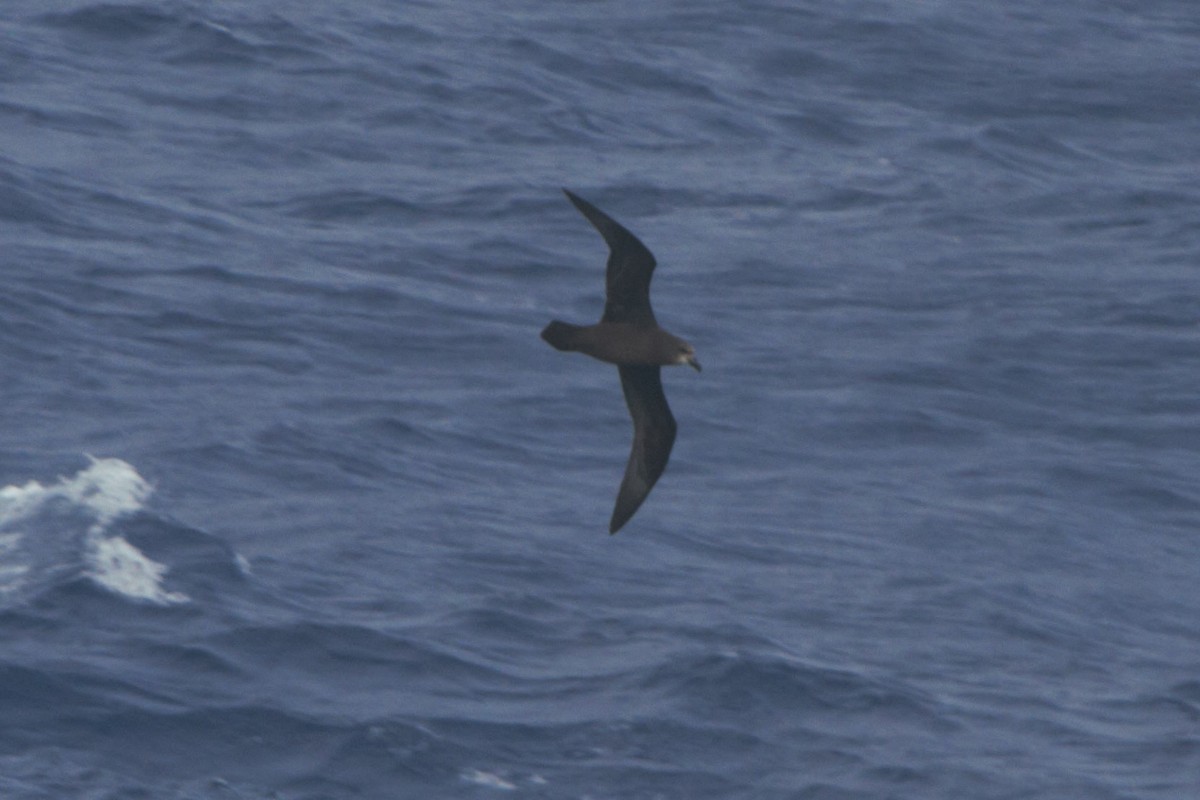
{"x":298,"y":505}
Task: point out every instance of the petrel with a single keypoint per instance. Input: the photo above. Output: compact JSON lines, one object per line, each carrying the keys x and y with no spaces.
{"x":628,"y":336}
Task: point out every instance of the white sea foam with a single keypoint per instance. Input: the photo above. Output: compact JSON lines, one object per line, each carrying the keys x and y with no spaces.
{"x":12,"y":571}
{"x":108,"y":488}
{"x":488,"y":779}
{"x":121,"y":567}
{"x":104,"y":491}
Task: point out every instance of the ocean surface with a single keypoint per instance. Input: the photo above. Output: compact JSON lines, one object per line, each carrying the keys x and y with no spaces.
{"x":296,"y":505}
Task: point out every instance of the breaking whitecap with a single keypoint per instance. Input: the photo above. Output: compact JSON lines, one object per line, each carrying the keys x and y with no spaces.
{"x":95,"y":497}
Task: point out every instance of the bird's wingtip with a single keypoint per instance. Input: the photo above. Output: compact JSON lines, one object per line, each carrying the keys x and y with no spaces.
{"x":619,"y":517}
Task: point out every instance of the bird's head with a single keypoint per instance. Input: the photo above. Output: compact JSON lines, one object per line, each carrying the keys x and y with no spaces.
{"x":687,"y":355}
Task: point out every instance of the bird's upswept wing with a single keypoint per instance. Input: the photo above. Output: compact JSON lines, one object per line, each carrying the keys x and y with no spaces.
{"x":630,"y":267}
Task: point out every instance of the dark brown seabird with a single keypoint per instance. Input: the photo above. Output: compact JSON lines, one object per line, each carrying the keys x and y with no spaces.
{"x":628,"y":336}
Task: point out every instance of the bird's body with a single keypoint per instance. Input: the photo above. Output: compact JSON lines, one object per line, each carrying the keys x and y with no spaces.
{"x":618,"y":342}
{"x":629,"y":336}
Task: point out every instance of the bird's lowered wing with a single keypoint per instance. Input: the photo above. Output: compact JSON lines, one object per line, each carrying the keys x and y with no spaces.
{"x":653,"y":437}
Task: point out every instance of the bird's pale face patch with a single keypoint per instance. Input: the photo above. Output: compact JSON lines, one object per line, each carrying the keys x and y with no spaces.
{"x":687,"y":355}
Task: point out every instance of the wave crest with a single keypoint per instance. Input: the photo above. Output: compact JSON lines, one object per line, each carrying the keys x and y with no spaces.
{"x":44,"y":528}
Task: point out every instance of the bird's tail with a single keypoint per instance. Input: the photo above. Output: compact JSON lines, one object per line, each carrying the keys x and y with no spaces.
{"x":561,"y":335}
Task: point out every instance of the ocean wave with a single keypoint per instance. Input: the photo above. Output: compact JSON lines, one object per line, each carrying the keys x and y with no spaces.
{"x":66,"y":527}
